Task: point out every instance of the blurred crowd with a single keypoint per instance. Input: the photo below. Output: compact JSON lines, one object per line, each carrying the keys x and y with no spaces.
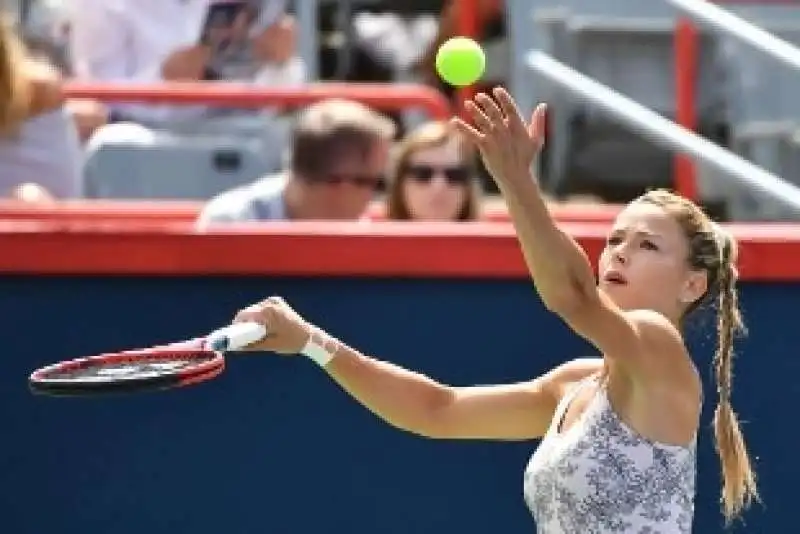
{"x":337,"y":157}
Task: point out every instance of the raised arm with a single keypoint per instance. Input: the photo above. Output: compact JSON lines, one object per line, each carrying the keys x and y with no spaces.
{"x":642,"y":344}
{"x":416,"y":403}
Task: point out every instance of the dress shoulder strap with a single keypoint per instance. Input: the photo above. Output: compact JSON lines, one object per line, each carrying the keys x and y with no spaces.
{"x":567,"y":399}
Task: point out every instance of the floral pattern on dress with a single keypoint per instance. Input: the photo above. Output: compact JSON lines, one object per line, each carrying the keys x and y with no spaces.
{"x":600,"y":477}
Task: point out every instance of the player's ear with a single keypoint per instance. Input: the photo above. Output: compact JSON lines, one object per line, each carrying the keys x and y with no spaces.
{"x":694,"y":287}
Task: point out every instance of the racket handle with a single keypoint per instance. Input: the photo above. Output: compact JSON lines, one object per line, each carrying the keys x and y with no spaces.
{"x":236,"y":336}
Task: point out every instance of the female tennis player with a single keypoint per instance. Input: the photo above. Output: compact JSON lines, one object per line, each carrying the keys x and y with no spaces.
{"x":619,"y":432}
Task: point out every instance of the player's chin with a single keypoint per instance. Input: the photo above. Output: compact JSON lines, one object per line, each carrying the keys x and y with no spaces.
{"x":620,"y":294}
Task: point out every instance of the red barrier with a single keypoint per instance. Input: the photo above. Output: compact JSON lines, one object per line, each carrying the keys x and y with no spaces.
{"x":115,"y":211}
{"x":477,"y":250}
{"x":380,"y":96}
{"x":81,"y":212}
{"x":686,"y":59}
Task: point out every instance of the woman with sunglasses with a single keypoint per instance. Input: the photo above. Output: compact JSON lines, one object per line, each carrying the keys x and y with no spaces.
{"x":434,"y":177}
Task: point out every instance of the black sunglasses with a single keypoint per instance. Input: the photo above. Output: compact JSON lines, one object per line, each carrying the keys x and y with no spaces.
{"x":453,"y":175}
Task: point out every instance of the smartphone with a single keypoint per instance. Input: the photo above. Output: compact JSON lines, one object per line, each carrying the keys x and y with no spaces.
{"x":230,"y":21}
{"x":228,"y":30}
{"x":223,"y":19}
{"x":269,"y":11}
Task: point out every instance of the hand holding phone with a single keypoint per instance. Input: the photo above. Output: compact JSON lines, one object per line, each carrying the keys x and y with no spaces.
{"x":235,"y":21}
{"x":186,"y":64}
{"x":277,"y":43}
{"x":237,"y":33}
{"x":227,"y":23}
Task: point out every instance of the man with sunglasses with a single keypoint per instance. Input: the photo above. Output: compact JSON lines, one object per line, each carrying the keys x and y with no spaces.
{"x":339,"y":152}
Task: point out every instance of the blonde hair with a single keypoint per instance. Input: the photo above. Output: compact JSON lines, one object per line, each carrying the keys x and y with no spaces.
{"x":15,"y":86}
{"x":714,"y":251}
{"x":430,"y":135}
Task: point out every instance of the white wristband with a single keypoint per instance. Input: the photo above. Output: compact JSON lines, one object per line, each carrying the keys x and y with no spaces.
{"x":316,"y":348}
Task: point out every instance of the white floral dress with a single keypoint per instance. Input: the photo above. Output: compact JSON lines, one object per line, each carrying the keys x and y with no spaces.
{"x":601,"y":477}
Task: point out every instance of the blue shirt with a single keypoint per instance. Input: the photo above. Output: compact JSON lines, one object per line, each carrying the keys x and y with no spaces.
{"x":261,"y":200}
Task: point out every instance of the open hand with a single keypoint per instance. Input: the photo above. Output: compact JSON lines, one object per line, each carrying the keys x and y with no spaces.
{"x":508,"y":145}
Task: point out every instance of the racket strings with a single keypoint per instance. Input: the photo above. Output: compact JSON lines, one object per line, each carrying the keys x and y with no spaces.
{"x":131,"y":364}
{"x":160,"y":367}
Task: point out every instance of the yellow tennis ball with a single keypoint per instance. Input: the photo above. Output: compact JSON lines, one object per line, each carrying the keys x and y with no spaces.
{"x":460,"y":61}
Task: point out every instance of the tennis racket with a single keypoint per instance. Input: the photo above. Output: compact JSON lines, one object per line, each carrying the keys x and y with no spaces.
{"x":156,"y":368}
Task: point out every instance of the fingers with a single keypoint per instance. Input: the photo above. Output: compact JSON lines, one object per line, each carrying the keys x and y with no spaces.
{"x":498,"y":113}
{"x":251,"y":314}
{"x":491,"y":109}
{"x":468,"y":131}
{"x":538,"y":123}
{"x":481,"y":120}
{"x":287,"y":331}
{"x":270,"y":344}
{"x":539,"y":115}
{"x":260,"y":313}
{"x":510,"y":110}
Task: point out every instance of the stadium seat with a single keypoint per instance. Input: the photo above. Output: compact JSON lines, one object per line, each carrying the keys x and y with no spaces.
{"x":590,"y":153}
{"x":764,"y":107}
{"x":171,"y":167}
{"x":617,"y":8}
{"x":764,"y":11}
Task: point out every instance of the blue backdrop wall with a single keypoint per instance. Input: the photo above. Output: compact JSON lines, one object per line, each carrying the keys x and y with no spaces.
{"x":274,"y":446}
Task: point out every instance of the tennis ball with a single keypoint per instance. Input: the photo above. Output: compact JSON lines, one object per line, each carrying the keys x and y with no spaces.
{"x":460,"y":61}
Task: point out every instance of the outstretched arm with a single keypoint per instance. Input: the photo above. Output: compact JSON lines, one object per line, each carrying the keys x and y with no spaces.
{"x":416,"y":403}
{"x":634,"y":342}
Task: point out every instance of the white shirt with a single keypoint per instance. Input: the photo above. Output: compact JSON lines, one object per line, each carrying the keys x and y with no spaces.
{"x":46,"y":151}
{"x":128,"y":40}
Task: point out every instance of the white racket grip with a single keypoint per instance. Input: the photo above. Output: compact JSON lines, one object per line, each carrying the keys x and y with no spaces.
{"x":236,"y":336}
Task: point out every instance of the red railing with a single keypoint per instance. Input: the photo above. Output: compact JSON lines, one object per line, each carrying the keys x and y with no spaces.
{"x":79,"y":213}
{"x":687,"y":53}
{"x":380,"y":96}
{"x":686,"y":64}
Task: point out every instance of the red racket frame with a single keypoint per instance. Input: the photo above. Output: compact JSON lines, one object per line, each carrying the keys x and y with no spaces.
{"x":210,"y":365}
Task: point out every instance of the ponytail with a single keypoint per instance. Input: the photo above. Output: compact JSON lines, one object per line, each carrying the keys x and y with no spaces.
{"x":739,"y":488}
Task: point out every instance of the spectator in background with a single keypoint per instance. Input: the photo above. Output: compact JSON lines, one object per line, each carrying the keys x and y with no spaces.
{"x":339,"y":152}
{"x":434,"y":178}
{"x":150,"y":41}
{"x":38,"y":141}
{"x":31,"y":193}
{"x":44,"y":29}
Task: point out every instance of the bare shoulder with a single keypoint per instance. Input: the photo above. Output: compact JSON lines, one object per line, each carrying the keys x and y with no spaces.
{"x":663,"y":350}
{"x":654,"y":327}
{"x":560,"y":378}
